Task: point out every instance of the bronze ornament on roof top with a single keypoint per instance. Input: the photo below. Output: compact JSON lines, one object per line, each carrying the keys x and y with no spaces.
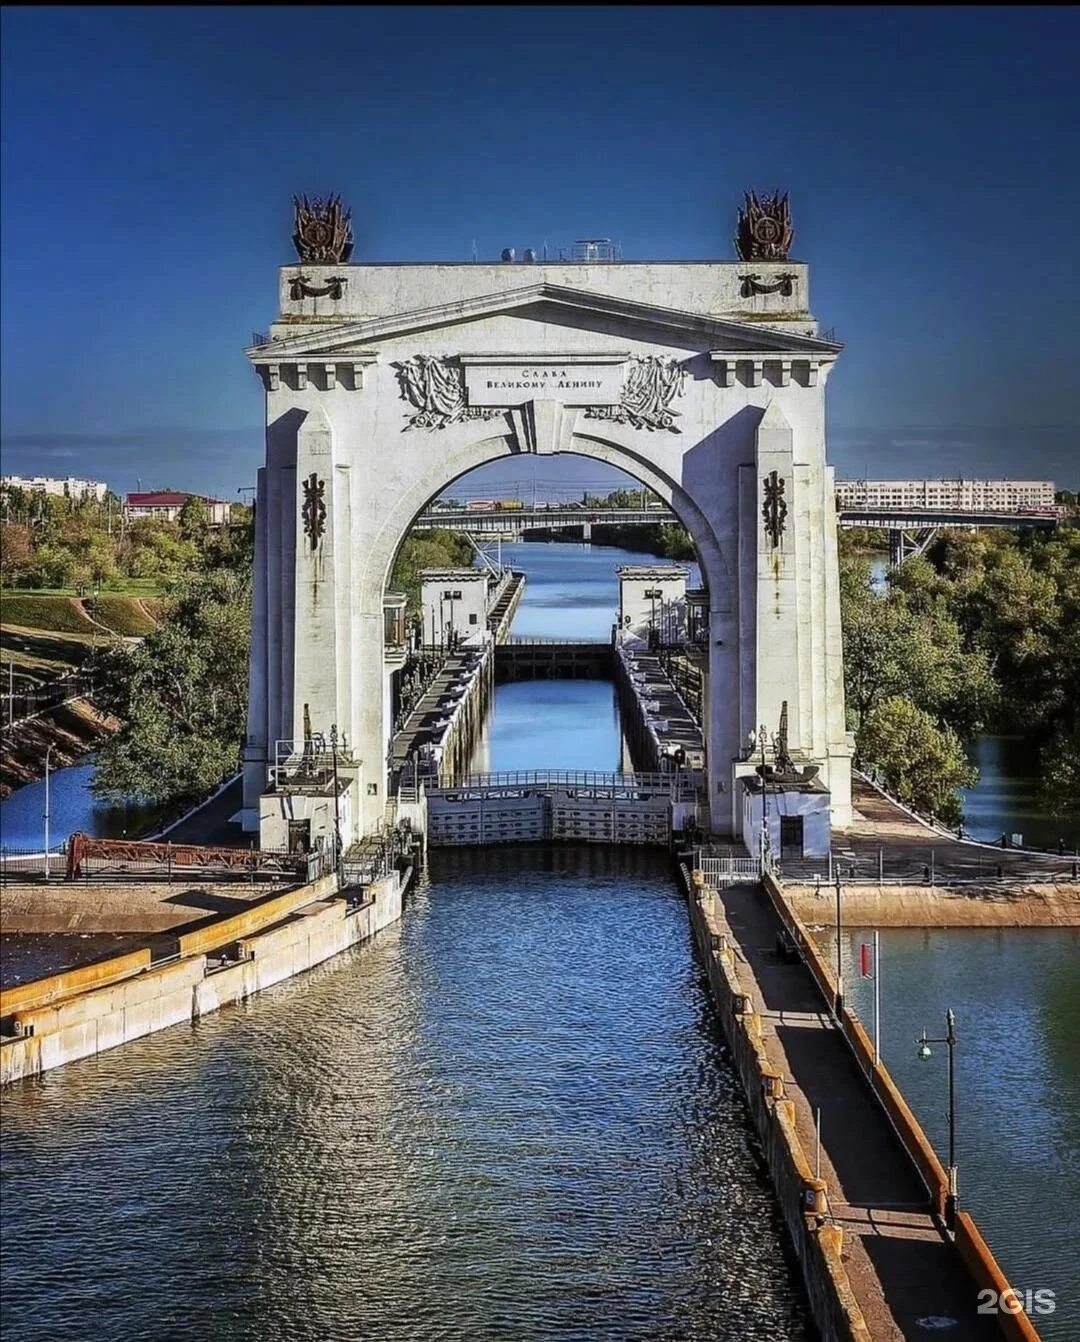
{"x":765,"y":231}
{"x":322,"y":230}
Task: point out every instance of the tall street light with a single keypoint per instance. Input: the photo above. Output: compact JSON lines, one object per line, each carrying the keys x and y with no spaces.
{"x":48,"y":752}
{"x":838,"y":1003}
{"x":925,"y":1051}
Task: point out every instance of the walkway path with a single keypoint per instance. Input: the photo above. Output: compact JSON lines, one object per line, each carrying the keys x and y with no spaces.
{"x":903,"y":1267}
{"x":910,"y":846}
{"x":420,"y":726}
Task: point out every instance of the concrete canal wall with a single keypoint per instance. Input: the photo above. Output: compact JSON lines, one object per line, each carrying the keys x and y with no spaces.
{"x":82,"y":1012}
{"x":837,"y":1304}
{"x":818,"y":1245}
{"x":1051,"y":905}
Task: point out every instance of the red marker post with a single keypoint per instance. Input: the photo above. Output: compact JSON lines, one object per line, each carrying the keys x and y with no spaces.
{"x":870,"y":968}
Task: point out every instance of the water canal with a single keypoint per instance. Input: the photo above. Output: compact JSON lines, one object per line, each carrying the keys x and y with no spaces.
{"x":512,"y":1115}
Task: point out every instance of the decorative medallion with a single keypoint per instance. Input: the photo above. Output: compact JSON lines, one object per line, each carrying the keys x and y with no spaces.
{"x":652,"y":383}
{"x":300,"y":288}
{"x":774,"y":509}
{"x":322,"y":231}
{"x":313,"y":510}
{"x":436,"y":389}
{"x":753,"y":284}
{"x":765,"y":232}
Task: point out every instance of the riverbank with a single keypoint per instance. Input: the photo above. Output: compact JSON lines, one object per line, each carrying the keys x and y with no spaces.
{"x":991,"y":905}
{"x":665,"y":540}
{"x":72,"y":730}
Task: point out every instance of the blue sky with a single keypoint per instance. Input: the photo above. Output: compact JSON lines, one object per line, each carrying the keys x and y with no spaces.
{"x":149,"y":158}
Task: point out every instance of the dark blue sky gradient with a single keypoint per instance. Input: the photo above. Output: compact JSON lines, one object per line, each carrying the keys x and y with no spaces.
{"x":149,"y":157}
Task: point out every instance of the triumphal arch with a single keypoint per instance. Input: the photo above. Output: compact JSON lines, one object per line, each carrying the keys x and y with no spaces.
{"x":385,"y":382}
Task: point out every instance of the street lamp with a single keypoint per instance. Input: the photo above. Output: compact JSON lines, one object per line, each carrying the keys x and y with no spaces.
{"x":337,"y":810}
{"x":48,"y":752}
{"x":925,"y":1051}
{"x":838,"y":1003}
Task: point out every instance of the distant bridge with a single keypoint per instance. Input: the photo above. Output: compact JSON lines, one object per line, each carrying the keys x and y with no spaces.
{"x":506,"y":521}
{"x":513,"y":521}
{"x":911,"y":530}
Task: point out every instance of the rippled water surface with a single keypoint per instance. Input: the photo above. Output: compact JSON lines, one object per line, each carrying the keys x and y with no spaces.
{"x":509,"y":1116}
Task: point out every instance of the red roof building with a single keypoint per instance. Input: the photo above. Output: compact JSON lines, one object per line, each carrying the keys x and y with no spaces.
{"x":163,"y":505}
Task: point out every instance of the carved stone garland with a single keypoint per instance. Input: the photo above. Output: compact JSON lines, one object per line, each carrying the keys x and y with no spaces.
{"x":436,"y":389}
{"x":313,"y":509}
{"x":774,"y":509}
{"x":651,"y":384}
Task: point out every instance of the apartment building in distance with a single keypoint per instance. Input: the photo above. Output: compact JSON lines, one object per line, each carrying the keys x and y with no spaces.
{"x":981,"y":496}
{"x":164,"y":505}
{"x":67,"y":487}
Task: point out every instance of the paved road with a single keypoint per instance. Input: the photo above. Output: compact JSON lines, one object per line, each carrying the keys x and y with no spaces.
{"x":211,"y":823}
{"x":910,"y":847}
{"x":903,"y":1268}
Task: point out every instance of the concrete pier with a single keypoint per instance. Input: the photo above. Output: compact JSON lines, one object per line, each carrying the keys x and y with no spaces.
{"x":441,"y":732}
{"x":867,"y":1217}
{"x":661,"y":729}
{"x":82,"y":1012}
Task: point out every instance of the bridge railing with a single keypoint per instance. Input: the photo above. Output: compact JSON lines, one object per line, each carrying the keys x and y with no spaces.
{"x":525,"y":641}
{"x":678,"y":785}
{"x":732,"y":867}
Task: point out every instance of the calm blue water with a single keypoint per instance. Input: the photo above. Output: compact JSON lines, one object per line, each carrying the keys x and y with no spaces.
{"x":510,"y":1116}
{"x":552,"y":724}
{"x":1006,"y":797}
{"x":72,"y":806}
{"x":1016,"y":995}
{"x":572,"y":590}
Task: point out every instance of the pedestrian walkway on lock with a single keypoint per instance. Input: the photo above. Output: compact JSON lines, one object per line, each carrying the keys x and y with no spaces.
{"x":435,"y":704}
{"x":903,"y":1266}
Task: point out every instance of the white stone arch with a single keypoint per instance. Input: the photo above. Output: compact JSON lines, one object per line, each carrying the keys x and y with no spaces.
{"x":428,"y":484}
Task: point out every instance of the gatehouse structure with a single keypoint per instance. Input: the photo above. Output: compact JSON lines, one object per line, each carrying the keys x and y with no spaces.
{"x":386,"y":382}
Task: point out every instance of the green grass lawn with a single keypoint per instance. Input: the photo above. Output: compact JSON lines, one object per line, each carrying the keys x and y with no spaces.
{"x":121,"y":614}
{"x":122,"y":587}
{"x":45,"y":612}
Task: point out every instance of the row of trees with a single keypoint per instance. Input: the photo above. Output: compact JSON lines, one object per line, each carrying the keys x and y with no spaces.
{"x":182,"y":692}
{"x":979,"y":635}
{"x":52,"y":541}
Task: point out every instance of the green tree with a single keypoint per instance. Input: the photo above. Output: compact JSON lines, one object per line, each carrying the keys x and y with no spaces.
{"x":193,"y":519}
{"x":907,"y":642}
{"x":923,"y":763}
{"x":432,"y":549}
{"x":181,"y":693}
{"x":1059,"y":790}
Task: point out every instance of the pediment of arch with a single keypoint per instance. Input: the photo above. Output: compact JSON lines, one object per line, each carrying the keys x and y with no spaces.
{"x":550,"y":304}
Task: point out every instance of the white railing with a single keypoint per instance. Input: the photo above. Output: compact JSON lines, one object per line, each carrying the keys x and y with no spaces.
{"x":734,"y":868}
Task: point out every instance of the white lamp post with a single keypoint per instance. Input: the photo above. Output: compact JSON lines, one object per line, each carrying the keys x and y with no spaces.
{"x":48,"y":752}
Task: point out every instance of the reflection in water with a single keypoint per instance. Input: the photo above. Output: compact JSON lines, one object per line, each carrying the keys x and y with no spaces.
{"x":1006,"y":798}
{"x":552,"y":724}
{"x":572,"y":589}
{"x":1016,"y":994}
{"x":72,"y":806}
{"x":510,"y":1116}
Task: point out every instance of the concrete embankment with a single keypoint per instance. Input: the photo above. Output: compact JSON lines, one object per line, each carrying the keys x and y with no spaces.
{"x":866,"y":1217}
{"x":87,"y":1010}
{"x":135,"y":907}
{"x":938,"y":906}
{"x":72,"y":730}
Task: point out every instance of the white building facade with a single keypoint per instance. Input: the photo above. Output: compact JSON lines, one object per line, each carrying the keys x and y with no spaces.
{"x":60,"y":486}
{"x":386,"y":383}
{"x":1006,"y":496}
{"x":652,"y":603}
